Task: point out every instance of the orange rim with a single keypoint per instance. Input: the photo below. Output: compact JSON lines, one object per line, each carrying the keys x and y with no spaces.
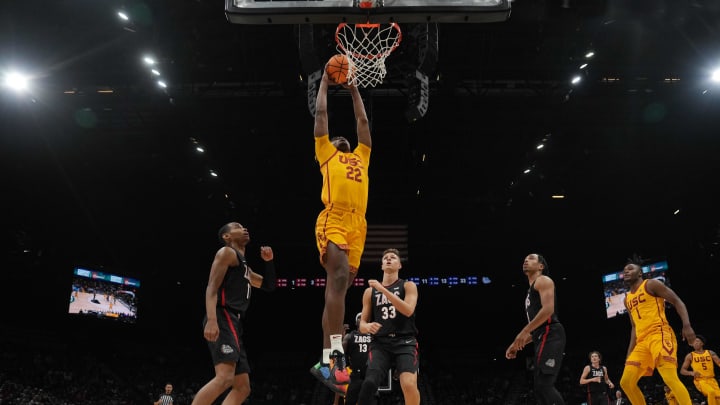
{"x":395,"y":26}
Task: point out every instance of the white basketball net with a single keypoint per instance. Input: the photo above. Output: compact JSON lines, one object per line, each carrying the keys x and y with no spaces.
{"x":366,"y":47}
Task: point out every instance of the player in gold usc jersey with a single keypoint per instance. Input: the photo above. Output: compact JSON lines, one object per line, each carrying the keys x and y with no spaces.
{"x":653,"y":344}
{"x":703,"y":371}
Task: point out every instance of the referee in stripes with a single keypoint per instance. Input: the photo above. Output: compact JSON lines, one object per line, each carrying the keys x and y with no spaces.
{"x":166,"y":398}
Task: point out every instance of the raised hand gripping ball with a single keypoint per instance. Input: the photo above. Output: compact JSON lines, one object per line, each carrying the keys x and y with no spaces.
{"x":338,"y":68}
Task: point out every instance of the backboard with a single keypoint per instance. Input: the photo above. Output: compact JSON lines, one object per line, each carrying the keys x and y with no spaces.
{"x":380,"y":11}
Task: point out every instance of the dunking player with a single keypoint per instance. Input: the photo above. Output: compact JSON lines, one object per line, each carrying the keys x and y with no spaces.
{"x":699,"y":365}
{"x":341,"y":227}
{"x":652,"y":341}
{"x":543,"y":328}
{"x":388,"y":313}
{"x":227,"y":297}
{"x":357,"y":348}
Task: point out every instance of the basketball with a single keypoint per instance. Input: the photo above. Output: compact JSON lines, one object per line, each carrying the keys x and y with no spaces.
{"x":337,"y":68}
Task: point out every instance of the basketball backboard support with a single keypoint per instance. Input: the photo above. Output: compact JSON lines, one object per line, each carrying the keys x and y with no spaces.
{"x":383,"y":11}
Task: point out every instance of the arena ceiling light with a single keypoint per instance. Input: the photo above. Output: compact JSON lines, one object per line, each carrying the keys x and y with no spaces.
{"x":16,"y":81}
{"x":715,"y":76}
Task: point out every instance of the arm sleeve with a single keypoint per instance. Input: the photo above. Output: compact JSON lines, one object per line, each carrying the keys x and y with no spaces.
{"x":269,"y":277}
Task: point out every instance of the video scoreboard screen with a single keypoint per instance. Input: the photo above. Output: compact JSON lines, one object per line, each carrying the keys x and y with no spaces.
{"x":614,"y":288}
{"x":102,"y":295}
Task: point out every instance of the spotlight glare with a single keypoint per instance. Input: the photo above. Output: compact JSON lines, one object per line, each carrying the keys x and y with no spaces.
{"x":148,"y":60}
{"x":715,"y":77}
{"x":162,"y":84}
{"x":123,"y":16}
{"x":155,"y":72}
{"x":16,"y":81}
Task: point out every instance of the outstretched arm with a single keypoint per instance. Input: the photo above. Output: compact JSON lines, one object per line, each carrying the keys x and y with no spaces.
{"x":659,"y":289}
{"x":363,"y":125}
{"x":321,"y":113}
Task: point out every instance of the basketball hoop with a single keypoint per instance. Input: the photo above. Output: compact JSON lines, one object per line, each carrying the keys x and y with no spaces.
{"x":367,"y":46}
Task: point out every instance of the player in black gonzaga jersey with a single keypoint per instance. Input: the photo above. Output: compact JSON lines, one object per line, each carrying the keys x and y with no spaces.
{"x":544,"y":329}
{"x":388,"y":314}
{"x":226,"y":299}
{"x":357,"y":349}
{"x":596,"y":380}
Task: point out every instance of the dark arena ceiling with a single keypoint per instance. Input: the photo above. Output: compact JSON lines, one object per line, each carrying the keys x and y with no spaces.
{"x":100,"y":167}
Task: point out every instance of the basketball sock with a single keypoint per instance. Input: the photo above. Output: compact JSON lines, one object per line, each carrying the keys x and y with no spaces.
{"x":336,"y":343}
{"x":326,"y":356}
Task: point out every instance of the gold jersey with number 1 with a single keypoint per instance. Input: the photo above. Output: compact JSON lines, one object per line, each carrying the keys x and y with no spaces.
{"x":647,"y":312}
